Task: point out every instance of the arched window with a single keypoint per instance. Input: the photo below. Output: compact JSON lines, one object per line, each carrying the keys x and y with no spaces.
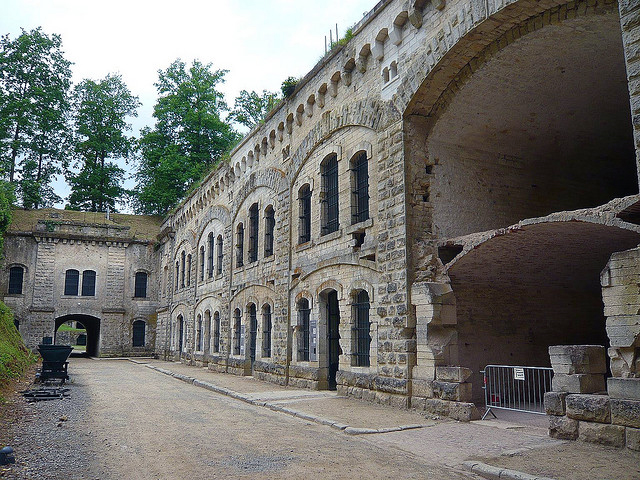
{"x":360,"y":188}
{"x":16,"y":276}
{"x":237,"y":329}
{"x":177,"y":274}
{"x":88,"y":283}
{"x":141,"y":285}
{"x":182,"y":257}
{"x":361,"y":328}
{"x":269,"y":227}
{"x":304,"y":315}
{"x":180,"y":332}
{"x":266,"y":330}
{"x":220,"y":254}
{"x":216,"y":332}
{"x":304,"y":227}
{"x":189,"y":270}
{"x":138,"y":333}
{"x":254,"y":221}
{"x":240,"y":245}
{"x":253,"y":331}
{"x":71,"y":282}
{"x":199,"y":334}
{"x":329,"y":172}
{"x":210,"y":255}
{"x":202,"y":263}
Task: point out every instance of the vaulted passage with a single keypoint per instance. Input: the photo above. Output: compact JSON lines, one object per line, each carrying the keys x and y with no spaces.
{"x":520,"y":292}
{"x":91,"y":324}
{"x":542,"y":126}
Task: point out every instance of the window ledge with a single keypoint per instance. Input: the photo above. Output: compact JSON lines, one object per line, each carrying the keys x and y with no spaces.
{"x":359,"y":226}
{"x":303,"y":246}
{"x":330,"y":236}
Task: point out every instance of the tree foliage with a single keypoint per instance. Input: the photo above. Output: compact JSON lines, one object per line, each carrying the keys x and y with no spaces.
{"x":100,"y":124}
{"x":187,"y":139}
{"x":35,"y":79}
{"x":250,"y":108}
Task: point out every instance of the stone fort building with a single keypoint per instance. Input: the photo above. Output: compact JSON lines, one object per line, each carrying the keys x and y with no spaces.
{"x":456,"y":186}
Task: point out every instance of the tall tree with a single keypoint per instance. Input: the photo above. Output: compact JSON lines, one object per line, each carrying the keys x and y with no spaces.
{"x":100,"y":124}
{"x":251,"y":108}
{"x":35,"y":79}
{"x":187,"y":139}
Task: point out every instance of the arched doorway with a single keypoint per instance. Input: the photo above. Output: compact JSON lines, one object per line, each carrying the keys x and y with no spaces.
{"x":91,"y":325}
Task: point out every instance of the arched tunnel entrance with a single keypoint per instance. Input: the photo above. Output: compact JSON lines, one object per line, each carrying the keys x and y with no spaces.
{"x":91,"y":324}
{"x":522,"y":291}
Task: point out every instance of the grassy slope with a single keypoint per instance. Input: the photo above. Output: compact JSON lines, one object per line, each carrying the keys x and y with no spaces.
{"x":14,"y":357}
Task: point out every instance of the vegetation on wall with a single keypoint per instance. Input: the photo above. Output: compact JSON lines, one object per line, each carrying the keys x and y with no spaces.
{"x":14,"y":356}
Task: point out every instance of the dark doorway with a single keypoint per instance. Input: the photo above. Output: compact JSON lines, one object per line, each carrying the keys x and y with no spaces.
{"x":253,"y":332}
{"x":181,"y":322}
{"x":333,"y":336}
{"x":138,"y":333}
{"x":92,"y":327}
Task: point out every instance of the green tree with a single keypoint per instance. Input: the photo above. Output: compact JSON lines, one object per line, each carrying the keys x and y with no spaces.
{"x":188,"y":138}
{"x":35,"y":80}
{"x":250,"y":108}
{"x":100,"y":112}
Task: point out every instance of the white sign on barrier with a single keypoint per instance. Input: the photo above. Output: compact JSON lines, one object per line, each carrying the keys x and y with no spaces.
{"x":518,"y":373}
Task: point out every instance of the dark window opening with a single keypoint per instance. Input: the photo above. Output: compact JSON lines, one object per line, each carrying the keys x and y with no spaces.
{"x":183,"y":256}
{"x":358,"y":238}
{"x":141,"y":285}
{"x":253,"y":331}
{"x":428,"y":169}
{"x":304,"y":315}
{"x":304,"y":231}
{"x":240,"y":245}
{"x":329,"y":172}
{"x":361,"y":329}
{"x":88,"y":283}
{"x":446,"y":253}
{"x":360,"y":185}
{"x":236,"y":331}
{"x":138,"y":333}
{"x":16,"y":276}
{"x":269,"y":227}
{"x":71,"y":282}
{"x":210,"y":255}
{"x":254,"y":220}
{"x":189,"y":270}
{"x":199,"y":335}
{"x":266,"y":331}
{"x":216,"y":332}
{"x":220,"y":254}
{"x":202,"y":263}
{"x":177,"y":274}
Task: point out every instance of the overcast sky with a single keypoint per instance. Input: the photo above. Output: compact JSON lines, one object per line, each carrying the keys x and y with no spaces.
{"x":260,"y":42}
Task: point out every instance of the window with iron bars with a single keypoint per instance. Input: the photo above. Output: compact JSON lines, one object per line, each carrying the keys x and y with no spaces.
{"x":189,"y":270}
{"x":361,"y":328}
{"x":304,"y":229}
{"x":360,"y":192}
{"x":177,"y":274}
{"x":304,"y":314}
{"x":236,"y":330}
{"x":202,"y":263}
{"x":254,"y":220}
{"x":220,"y":255}
{"x":329,"y":172}
{"x":240,"y":245}
{"x":183,"y":256}
{"x":216,"y":332}
{"x":210,"y":255}
{"x":199,"y":335}
{"x":269,"y":227}
{"x":16,"y":276}
{"x":266,"y":331}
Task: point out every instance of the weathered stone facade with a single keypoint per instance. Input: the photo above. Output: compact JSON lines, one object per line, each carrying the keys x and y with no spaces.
{"x":499,"y":141}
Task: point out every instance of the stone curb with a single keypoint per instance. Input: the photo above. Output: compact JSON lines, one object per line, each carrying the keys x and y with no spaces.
{"x":497,"y":473}
{"x":279,"y":408}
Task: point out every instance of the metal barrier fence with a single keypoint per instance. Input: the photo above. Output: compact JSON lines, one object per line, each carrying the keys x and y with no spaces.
{"x":522,"y":389}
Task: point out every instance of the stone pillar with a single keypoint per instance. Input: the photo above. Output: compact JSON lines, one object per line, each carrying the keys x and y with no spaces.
{"x":578,"y":368}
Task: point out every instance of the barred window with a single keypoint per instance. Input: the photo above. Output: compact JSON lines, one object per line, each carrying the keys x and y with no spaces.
{"x":210,"y":258}
{"x":177,"y":274}
{"x":189,"y":270}
{"x":16,"y":276}
{"x":266,"y":331}
{"x":202,"y":263}
{"x":216,"y":332}
{"x":329,"y":172}
{"x":253,"y":331}
{"x":304,"y":314}
{"x":140,"y":285}
{"x":254,"y":220}
{"x":237,"y":328}
{"x":304,"y":228}
{"x":199,"y":334}
{"x":220,"y":255}
{"x":269,"y":227}
{"x":182,"y":256}
{"x":361,"y":328}
{"x":71,"y":282}
{"x":240,"y":245}
{"x":360,"y":188}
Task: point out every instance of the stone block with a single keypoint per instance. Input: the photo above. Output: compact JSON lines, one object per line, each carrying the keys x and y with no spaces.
{"x":563,"y":428}
{"x":453,"y":374}
{"x":633,"y":438}
{"x":456,"y":392}
{"x":612,"y":435}
{"x":591,"y":408}
{"x":579,"y":383}
{"x":555,"y":403}
{"x":422,"y":388}
{"x":578,"y":359}
{"x":625,"y":412}
{"x":627,"y":388}
{"x":462,"y":411}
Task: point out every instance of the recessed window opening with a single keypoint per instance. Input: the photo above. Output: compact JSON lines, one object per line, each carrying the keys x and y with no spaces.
{"x":253,"y":232}
{"x":240,"y":245}
{"x":304,"y":316}
{"x":71,"y":282}
{"x":88,"y":283}
{"x":304,"y":228}
{"x":266,"y":331}
{"x":269,"y":227}
{"x":16,"y":276}
{"x":210,"y":255}
{"x":360,"y":191}
{"x":140,"y":290}
{"x":202,"y":263}
{"x":329,"y":172}
{"x":220,"y":254}
{"x":189,"y":270}
{"x":361,"y":329}
{"x":216,"y":332}
{"x":237,"y":328}
{"x":183,"y":256}
{"x":138,"y":333}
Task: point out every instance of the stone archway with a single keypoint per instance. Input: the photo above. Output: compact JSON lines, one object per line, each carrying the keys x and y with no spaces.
{"x":91,"y":324}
